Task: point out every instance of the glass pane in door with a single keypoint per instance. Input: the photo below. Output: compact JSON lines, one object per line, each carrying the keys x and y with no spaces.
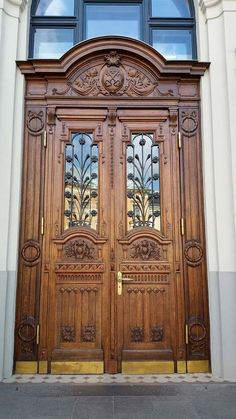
{"x":81,"y":182}
{"x":143,"y":182}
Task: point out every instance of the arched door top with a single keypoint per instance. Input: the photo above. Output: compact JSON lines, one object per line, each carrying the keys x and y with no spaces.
{"x":98,"y":48}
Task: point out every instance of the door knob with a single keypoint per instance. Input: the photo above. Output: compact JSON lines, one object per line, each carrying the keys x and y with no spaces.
{"x":120,"y":279}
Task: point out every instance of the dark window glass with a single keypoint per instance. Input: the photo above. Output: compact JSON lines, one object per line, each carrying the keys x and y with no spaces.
{"x":173,"y":44}
{"x":170,"y":8}
{"x":52,"y":42}
{"x":112,"y":19}
{"x":167,"y":25}
{"x":55,"y":8}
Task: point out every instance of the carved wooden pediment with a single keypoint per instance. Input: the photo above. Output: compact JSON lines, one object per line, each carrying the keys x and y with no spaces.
{"x":112,"y":67}
{"x":112,"y":75}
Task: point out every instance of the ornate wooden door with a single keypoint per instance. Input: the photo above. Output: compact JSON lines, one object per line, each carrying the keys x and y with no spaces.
{"x":147,"y":241}
{"x":112,"y":272}
{"x":109,"y":295}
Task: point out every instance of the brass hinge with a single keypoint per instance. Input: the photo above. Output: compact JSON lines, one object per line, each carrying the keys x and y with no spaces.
{"x":182,"y":226}
{"x":45,"y":139}
{"x":186,"y":334}
{"x":179,"y":139}
{"x":37,"y":334}
{"x":42,"y":226}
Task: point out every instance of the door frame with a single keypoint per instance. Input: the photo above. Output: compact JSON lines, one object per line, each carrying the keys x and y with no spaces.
{"x":145,"y":79}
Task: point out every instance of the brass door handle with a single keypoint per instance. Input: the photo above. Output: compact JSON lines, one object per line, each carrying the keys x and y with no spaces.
{"x":127,"y":279}
{"x":120,"y":279}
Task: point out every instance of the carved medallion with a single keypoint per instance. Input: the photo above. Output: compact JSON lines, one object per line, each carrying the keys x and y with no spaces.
{"x":189,"y":121}
{"x":156,"y":334}
{"x":193,"y":253}
{"x":27,"y":329}
{"x":112,"y":79}
{"x":88,"y":333}
{"x":31,"y":252}
{"x":79,"y":249}
{"x":35,"y":122}
{"x":67,"y":334}
{"x":145,"y":250}
{"x":137,"y":334}
{"x":197,"y":335}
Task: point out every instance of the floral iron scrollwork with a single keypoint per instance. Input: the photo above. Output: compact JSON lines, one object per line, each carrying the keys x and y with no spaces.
{"x":81,"y":182}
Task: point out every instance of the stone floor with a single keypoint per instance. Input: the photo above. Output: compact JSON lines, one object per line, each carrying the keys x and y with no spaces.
{"x":20,"y":399}
{"x":114,"y":379}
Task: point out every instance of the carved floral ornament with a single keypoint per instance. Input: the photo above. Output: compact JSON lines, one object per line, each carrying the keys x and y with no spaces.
{"x":112,"y":78}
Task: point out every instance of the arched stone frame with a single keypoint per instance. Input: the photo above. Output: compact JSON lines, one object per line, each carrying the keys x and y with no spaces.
{"x":209,"y":21}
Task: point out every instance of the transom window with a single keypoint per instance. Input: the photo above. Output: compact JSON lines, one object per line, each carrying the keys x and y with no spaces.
{"x":167,"y":25}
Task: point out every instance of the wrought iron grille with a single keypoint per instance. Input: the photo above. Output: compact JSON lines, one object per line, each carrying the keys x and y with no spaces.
{"x":81,"y":182}
{"x":143,"y":182}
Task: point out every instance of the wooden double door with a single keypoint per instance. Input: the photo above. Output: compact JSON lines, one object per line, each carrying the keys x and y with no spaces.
{"x":122,"y":285}
{"x":112,"y":298}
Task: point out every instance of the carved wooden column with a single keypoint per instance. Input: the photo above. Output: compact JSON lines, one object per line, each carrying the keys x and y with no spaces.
{"x":31,"y":239}
{"x":197,"y":333}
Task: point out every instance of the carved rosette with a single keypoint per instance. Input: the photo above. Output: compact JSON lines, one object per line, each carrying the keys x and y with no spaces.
{"x":156,"y":334}
{"x":112,"y":78}
{"x":88,"y":333}
{"x":189,"y":121}
{"x":67,"y":333}
{"x":145,"y":250}
{"x":137,"y":334}
{"x":79,"y":249}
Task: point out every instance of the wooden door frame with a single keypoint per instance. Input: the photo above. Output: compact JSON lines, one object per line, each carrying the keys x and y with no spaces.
{"x":145,"y":80}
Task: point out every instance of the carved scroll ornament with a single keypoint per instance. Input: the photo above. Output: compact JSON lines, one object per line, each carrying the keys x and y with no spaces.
{"x":112,"y":78}
{"x":145,"y":250}
{"x":79,"y":249}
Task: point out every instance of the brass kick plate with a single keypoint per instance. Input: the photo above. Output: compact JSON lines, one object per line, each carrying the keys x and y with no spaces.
{"x":148,"y":367}
{"x":198,"y":366}
{"x":74,"y":367}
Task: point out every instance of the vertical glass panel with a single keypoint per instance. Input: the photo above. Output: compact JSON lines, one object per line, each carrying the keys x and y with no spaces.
{"x":112,"y":19}
{"x":81,"y":182}
{"x":143,"y":182}
{"x":173,"y":44}
{"x":55,"y":8}
{"x":170,"y":8}
{"x":52,"y":42}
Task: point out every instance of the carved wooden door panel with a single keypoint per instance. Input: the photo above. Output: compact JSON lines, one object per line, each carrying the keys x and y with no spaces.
{"x":76,"y":276}
{"x":148,"y":242}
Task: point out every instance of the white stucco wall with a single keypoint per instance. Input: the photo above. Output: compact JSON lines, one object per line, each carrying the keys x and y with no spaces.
{"x":216,"y":33}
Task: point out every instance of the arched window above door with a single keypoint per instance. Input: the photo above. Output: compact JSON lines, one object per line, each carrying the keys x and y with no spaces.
{"x":167,"y":25}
